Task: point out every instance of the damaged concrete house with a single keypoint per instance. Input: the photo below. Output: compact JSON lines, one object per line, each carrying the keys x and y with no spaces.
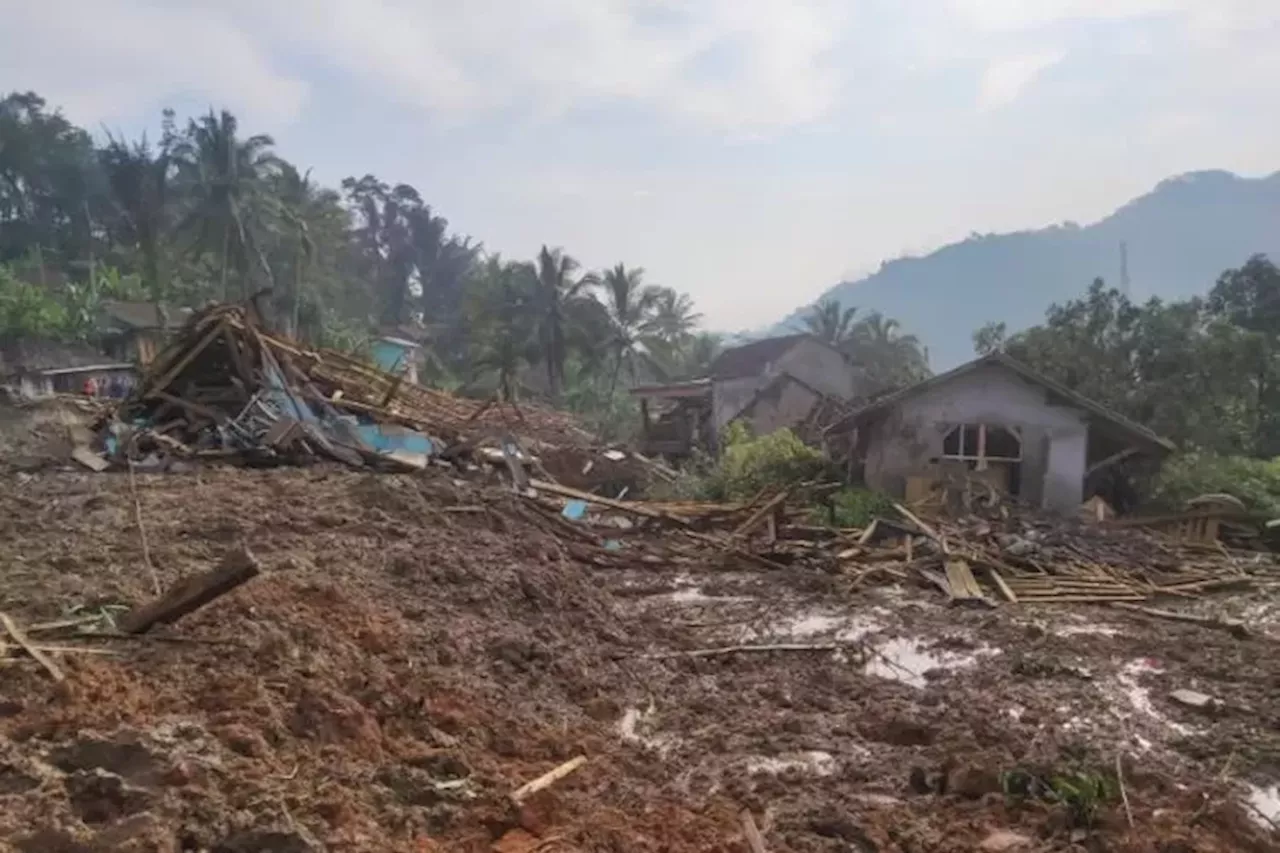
{"x":770,"y":384}
{"x":995,"y":419}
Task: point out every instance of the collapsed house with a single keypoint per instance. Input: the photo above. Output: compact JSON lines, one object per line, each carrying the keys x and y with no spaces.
{"x":995,"y":420}
{"x":769,"y":384}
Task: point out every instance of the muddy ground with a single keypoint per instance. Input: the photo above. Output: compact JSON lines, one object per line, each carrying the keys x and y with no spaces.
{"x":417,"y":648}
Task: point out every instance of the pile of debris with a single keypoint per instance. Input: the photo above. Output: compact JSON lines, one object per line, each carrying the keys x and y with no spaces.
{"x":227,"y":389}
{"x":1013,"y":556}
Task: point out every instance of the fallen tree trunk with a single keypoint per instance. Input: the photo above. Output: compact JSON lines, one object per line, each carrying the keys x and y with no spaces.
{"x":192,"y":593}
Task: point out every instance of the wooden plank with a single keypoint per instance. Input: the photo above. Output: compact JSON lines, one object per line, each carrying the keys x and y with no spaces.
{"x":634,"y":507}
{"x":924,"y":528}
{"x":547,"y":779}
{"x":192,"y":593}
{"x":761,"y":514}
{"x":961,"y":581}
{"x":173,"y":372}
{"x":869,"y":532}
{"x":1003,"y":587}
{"x":89,"y":459}
{"x":20,"y":638}
{"x":751,"y":832}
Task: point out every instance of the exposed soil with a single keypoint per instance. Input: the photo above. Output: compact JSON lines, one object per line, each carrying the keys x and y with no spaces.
{"x":400,"y":668}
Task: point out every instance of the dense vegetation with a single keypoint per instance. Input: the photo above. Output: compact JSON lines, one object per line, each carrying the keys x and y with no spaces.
{"x":1204,"y":372}
{"x":209,"y":212}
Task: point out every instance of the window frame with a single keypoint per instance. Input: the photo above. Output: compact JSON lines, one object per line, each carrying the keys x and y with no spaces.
{"x":981,"y":458}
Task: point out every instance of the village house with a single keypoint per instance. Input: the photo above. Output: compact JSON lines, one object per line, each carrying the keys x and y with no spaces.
{"x":38,"y":368}
{"x":136,"y":331}
{"x":769,"y":384}
{"x":995,"y":419}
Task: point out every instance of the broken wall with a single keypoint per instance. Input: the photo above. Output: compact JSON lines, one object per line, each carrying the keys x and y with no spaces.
{"x":785,"y":404}
{"x":819,"y":366}
{"x":815,"y":364}
{"x":908,"y":440}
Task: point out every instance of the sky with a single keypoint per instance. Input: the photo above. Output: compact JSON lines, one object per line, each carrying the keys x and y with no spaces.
{"x":749,"y":152}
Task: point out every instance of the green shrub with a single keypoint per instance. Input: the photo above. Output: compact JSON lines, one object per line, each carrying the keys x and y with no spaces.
{"x":853,"y":507}
{"x":1256,"y":482}
{"x":746,"y":465}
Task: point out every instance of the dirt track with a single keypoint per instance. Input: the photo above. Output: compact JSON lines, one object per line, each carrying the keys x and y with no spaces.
{"x":399,"y":669}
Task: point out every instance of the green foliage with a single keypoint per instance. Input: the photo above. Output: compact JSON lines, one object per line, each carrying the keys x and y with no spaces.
{"x":211,"y":211}
{"x":1202,"y":372}
{"x":28,"y":310}
{"x":853,"y":507}
{"x":748,"y":464}
{"x":1083,"y":793}
{"x":1256,"y":482}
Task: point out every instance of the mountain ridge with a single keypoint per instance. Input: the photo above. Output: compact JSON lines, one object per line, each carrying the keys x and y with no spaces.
{"x":1179,"y":238}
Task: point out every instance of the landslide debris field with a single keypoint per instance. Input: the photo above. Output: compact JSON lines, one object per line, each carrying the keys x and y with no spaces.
{"x":418,"y":647}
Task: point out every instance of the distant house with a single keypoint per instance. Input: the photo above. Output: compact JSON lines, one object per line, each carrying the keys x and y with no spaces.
{"x":1000,"y":421}
{"x":38,"y":368}
{"x":769,"y":384}
{"x":136,"y":331}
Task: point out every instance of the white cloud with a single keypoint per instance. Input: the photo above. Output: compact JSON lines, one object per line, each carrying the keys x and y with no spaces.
{"x":104,"y":60}
{"x":1004,"y":80}
{"x":731,"y":65}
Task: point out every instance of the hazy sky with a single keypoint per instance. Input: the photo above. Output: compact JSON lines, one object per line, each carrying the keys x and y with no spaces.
{"x":750,"y":152}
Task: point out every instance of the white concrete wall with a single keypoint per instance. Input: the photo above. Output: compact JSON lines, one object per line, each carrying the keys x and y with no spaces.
{"x":784,"y":405}
{"x":729,"y":397}
{"x":1054,"y":438}
{"x":820,"y":366}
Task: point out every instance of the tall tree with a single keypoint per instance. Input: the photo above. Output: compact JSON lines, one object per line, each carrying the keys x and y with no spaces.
{"x":887,"y":358}
{"x":557,"y":289}
{"x":674,"y":315}
{"x":50,"y":190}
{"x":138,"y":178}
{"x":631,"y":305}
{"x":224,"y":177}
{"x":501,"y":315}
{"x":831,"y":323}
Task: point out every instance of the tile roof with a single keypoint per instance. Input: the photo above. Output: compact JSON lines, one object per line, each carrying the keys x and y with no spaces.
{"x":1055,"y":388}
{"x":751,"y":359}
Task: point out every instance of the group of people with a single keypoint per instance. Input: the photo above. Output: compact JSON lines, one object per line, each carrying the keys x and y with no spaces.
{"x":116,"y":386}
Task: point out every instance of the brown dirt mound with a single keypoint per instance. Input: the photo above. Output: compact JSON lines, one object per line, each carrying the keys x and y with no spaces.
{"x":418,"y":648}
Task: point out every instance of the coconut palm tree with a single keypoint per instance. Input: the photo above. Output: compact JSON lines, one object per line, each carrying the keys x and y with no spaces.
{"x":224,"y":176}
{"x":556,"y":290}
{"x":674,"y":318}
{"x":829,"y":322}
{"x":888,"y":358}
{"x":501,"y":319}
{"x":631,"y":305}
{"x":296,"y":194}
{"x":138,"y":180}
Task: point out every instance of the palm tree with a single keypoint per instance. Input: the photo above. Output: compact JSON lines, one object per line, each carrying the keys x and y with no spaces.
{"x":674,"y":318}
{"x":829,"y":323}
{"x":138,"y":179}
{"x":501,"y":321}
{"x":689,"y":358}
{"x":889,"y":358}
{"x":225,"y":177}
{"x":631,"y":305}
{"x":556,"y":290}
{"x":296,"y":195}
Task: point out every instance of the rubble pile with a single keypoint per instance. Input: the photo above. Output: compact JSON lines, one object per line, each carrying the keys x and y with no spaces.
{"x":227,"y":389}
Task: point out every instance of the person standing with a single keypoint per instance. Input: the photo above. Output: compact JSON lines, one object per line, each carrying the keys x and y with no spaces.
{"x":90,"y":387}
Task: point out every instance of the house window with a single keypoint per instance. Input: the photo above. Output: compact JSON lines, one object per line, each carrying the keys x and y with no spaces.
{"x":982,"y":443}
